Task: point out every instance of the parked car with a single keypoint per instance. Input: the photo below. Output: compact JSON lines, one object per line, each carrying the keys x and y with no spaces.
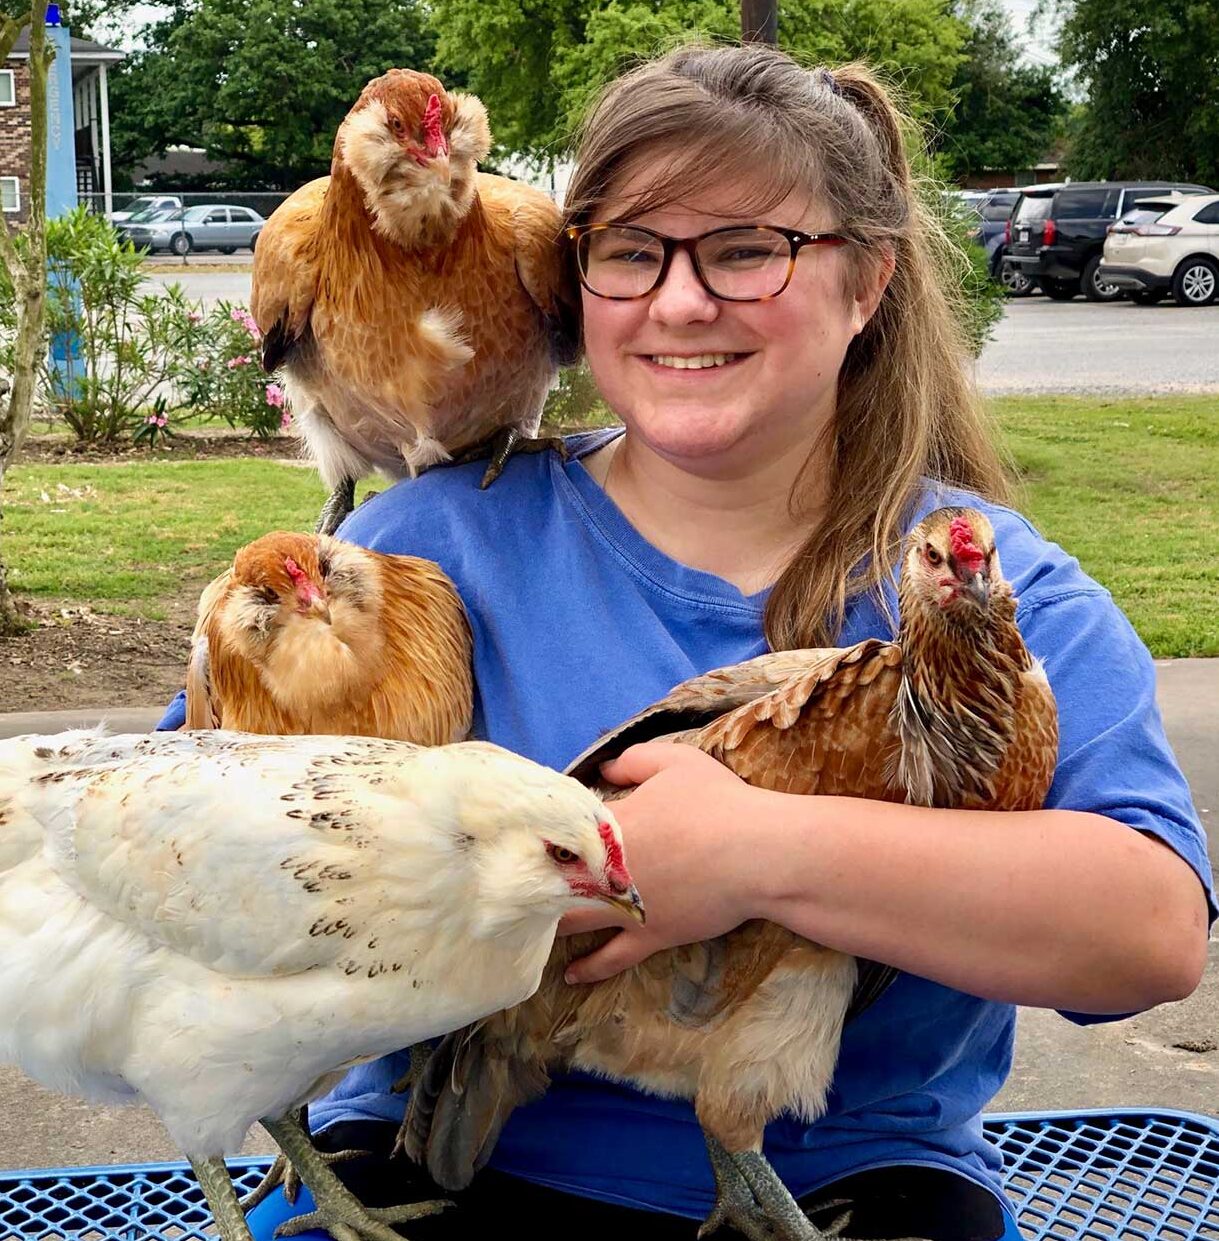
{"x":211,"y":226}
{"x":994,"y":211}
{"x":1056,"y":234}
{"x":145,"y":203}
{"x":1173,"y":246}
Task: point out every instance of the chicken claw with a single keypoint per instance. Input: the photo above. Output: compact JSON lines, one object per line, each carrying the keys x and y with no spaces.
{"x":339,"y":1212}
{"x":281,"y":1172}
{"x":501,"y":445}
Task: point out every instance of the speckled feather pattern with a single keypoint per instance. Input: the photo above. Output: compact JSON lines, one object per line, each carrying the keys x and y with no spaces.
{"x":217,"y":923}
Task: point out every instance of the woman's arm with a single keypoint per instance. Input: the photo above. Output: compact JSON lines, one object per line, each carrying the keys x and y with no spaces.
{"x":1053,"y":908}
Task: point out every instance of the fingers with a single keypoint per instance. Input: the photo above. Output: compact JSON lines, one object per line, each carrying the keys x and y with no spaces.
{"x":641,"y":762}
{"x":627,"y":948}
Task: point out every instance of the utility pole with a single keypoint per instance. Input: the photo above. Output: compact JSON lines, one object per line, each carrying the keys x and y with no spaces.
{"x":760,"y":21}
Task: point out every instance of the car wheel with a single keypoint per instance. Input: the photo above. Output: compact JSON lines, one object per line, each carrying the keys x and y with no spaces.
{"x":228,"y":249}
{"x":180,"y":243}
{"x":1058,"y":290}
{"x":1015,"y":283}
{"x":1095,"y":288}
{"x":1147,"y":297}
{"x":1196,"y":282}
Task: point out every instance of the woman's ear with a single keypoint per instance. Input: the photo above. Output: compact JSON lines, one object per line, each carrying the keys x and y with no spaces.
{"x":872,"y":279}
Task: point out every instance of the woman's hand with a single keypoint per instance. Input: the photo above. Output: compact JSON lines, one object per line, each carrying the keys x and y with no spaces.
{"x":686,"y":834}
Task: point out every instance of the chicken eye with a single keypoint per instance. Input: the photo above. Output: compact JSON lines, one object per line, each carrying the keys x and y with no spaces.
{"x":564,"y":857}
{"x":267,"y":595}
{"x":395,"y":123}
{"x":323,"y":565}
{"x":933,"y":557}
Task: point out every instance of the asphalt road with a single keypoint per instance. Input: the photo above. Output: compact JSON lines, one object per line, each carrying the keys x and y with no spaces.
{"x":1038,"y":346}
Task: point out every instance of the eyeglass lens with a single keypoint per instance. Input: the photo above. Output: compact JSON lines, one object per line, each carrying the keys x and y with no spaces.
{"x":742,"y":263}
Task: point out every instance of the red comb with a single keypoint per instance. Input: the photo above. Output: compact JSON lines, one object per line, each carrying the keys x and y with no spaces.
{"x":961,"y":537}
{"x":433,"y":133}
{"x":295,"y":572}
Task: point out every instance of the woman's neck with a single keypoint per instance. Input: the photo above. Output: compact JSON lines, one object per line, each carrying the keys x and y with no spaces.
{"x":739,"y":527}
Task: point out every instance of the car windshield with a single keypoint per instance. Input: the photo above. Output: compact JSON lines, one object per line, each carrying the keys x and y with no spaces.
{"x":1034,"y":207}
{"x":997,"y":210}
{"x":152,"y":213}
{"x":196,"y":213}
{"x":1143,"y":215}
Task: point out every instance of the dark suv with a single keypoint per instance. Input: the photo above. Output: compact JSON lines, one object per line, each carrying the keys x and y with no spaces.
{"x":1056,"y":234}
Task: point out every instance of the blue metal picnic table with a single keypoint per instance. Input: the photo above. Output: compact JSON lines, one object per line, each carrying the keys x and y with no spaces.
{"x":1074,"y":1176}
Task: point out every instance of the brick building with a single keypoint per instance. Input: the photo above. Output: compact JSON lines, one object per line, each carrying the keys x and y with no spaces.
{"x":91,"y":122}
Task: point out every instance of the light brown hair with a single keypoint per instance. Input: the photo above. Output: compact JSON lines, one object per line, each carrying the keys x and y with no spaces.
{"x":752,"y":116}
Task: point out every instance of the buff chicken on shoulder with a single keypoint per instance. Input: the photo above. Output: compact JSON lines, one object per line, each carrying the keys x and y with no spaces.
{"x":417,"y":308}
{"x":954,"y":713}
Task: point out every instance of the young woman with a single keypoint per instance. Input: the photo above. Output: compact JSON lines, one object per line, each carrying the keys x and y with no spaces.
{"x":794,"y":397}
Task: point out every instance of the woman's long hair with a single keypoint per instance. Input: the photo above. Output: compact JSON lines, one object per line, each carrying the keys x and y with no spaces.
{"x":703,"y":117}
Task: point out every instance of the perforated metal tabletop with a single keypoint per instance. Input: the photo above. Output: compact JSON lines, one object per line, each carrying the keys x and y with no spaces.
{"x":1074,"y":1176}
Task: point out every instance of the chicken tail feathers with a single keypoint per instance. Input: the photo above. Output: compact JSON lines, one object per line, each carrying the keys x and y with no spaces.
{"x":462,"y":1102}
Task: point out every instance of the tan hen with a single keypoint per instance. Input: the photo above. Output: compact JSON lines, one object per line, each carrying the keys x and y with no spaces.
{"x":955,"y":713}
{"x":416,"y":307}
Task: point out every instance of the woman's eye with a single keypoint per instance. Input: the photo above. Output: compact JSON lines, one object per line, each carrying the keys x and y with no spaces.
{"x":564,"y":857}
{"x":630,"y":256}
{"x":934,"y":557}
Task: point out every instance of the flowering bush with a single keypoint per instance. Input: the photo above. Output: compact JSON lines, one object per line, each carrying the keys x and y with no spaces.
{"x":219,"y":374}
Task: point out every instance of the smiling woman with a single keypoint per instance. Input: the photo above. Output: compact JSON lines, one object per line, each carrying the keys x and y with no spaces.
{"x":764,"y":312}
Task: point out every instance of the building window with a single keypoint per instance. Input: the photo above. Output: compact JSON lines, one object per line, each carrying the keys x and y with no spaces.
{"x":8,"y":88}
{"x":10,"y":194}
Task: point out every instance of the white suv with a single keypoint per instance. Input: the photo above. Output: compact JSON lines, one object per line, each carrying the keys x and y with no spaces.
{"x":1149,"y":255}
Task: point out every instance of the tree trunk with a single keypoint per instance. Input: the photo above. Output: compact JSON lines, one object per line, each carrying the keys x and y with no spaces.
{"x":27,"y":270}
{"x":760,"y":21}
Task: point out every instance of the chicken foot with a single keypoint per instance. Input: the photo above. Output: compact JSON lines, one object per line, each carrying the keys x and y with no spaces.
{"x":221,"y":1195}
{"x":342,"y":501}
{"x":339,"y":1212}
{"x":281,"y":1172}
{"x":751,"y":1198}
{"x":501,"y":445}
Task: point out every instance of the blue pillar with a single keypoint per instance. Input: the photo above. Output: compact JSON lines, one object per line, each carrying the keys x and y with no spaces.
{"x":61,"y":178}
{"x":61,"y":125}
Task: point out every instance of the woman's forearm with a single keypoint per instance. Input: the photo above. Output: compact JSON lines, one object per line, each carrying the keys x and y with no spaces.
{"x":1052,"y":908}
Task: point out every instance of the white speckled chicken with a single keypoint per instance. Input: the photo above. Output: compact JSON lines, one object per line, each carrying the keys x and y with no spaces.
{"x":219,"y":924}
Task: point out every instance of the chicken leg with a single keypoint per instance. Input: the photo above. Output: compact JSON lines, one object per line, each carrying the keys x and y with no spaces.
{"x":341,"y":502}
{"x":221,"y":1195}
{"x":339,"y":1212}
{"x":281,"y":1172}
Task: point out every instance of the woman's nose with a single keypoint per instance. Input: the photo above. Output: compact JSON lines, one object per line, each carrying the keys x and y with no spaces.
{"x":681,"y":298}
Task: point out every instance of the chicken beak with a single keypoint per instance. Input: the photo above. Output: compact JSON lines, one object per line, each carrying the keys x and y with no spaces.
{"x":320,"y":608}
{"x":976,"y":586}
{"x":629,"y":902}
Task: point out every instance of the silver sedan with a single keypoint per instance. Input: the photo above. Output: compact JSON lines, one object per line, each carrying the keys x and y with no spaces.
{"x":206,"y":227}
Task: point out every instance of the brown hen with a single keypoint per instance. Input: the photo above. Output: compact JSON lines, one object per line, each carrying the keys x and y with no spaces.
{"x":955,"y":713}
{"x":416,"y":307}
{"x":308,"y":634}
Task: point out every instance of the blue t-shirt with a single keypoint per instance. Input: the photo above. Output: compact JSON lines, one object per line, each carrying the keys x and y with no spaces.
{"x":578,"y":623}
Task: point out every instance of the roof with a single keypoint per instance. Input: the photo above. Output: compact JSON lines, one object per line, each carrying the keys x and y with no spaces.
{"x":84,"y":51}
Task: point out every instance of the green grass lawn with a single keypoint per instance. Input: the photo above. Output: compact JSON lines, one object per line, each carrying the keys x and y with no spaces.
{"x":1131,"y":486}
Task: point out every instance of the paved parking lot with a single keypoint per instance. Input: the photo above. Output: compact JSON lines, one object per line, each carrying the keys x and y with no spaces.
{"x":1079,"y":346}
{"x":1039,"y":346}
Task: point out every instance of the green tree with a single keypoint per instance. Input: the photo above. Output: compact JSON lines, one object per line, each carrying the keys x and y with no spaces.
{"x":1151,"y":72}
{"x":262,"y":85}
{"x":1005,"y":114}
{"x":536,"y":64}
{"x":81,"y":16}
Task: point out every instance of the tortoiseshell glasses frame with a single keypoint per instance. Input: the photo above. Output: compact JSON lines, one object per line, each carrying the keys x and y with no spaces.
{"x":582,"y":236}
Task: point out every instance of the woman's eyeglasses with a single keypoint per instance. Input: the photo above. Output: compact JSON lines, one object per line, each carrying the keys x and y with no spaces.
{"x":623,"y":261}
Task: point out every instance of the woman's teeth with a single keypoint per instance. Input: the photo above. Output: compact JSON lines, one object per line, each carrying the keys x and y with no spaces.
{"x":695,"y":363}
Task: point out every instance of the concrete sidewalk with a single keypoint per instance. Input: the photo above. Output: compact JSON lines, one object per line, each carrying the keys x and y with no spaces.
{"x":1135,"y":1063}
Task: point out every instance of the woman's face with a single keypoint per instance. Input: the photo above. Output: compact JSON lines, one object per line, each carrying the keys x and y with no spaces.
{"x":778,"y":389}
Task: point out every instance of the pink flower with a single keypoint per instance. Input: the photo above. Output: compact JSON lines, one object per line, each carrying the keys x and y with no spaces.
{"x":242,"y":316}
{"x":194,"y":316}
{"x":285,"y":420}
{"x":156,"y":420}
{"x":275,"y":396}
{"x":240,"y":360}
